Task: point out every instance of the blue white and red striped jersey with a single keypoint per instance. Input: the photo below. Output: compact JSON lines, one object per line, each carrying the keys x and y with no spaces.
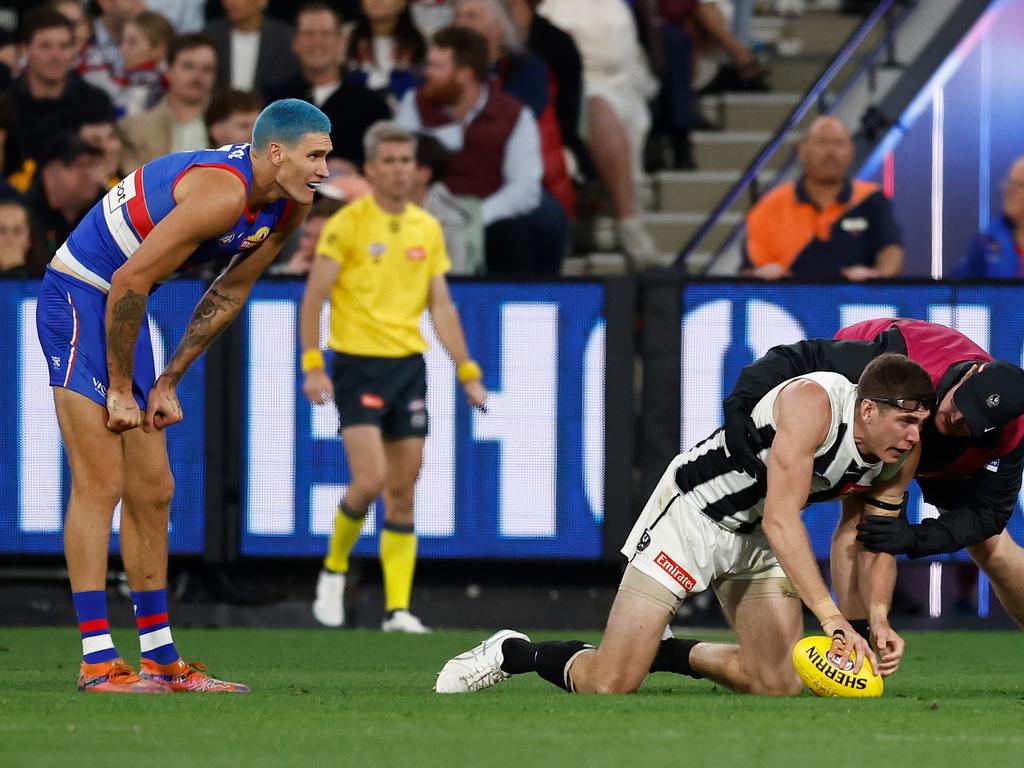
{"x":112,"y":231}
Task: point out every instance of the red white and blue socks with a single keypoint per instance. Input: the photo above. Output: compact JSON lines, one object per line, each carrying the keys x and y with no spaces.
{"x":154,"y":628}
{"x":91,"y":608}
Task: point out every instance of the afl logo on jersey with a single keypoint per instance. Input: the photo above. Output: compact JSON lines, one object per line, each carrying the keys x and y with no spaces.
{"x":226,"y":238}
{"x":254,"y":240}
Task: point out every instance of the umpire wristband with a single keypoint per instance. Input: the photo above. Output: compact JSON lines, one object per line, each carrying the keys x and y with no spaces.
{"x":312,"y":359}
{"x":469,"y":370}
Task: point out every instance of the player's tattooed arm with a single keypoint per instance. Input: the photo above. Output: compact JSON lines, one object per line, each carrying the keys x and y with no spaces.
{"x":123,"y":326}
{"x":214,"y":312}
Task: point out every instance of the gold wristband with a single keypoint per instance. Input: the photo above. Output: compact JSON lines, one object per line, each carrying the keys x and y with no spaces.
{"x":826,"y":610}
{"x":469,"y":370}
{"x":312,"y":359}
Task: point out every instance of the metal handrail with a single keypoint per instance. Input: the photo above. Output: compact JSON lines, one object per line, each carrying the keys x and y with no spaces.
{"x":813,"y":94}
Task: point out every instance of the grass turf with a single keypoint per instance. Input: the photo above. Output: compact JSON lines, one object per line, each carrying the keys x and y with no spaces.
{"x":363,"y":698}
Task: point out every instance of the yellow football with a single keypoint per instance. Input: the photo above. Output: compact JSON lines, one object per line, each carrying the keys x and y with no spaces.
{"x":817,"y":669}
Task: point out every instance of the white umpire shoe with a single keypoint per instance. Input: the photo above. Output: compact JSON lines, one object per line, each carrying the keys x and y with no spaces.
{"x":403,"y":621}
{"x":477,"y":668}
{"x":329,"y":606}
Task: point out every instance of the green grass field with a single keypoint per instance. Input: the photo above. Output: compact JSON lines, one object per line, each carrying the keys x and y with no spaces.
{"x":361,"y":698}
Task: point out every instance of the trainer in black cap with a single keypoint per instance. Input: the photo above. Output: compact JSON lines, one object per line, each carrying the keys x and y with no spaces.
{"x":66,"y":147}
{"x":991,"y":398}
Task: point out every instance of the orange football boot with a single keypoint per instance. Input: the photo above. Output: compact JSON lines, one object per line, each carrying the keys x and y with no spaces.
{"x":180,"y":676}
{"x":114,"y":676}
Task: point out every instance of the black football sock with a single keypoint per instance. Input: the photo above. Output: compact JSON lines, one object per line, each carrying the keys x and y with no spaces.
{"x":552,"y":657}
{"x":674,"y":656}
{"x":519,"y":656}
{"x":860,"y":626}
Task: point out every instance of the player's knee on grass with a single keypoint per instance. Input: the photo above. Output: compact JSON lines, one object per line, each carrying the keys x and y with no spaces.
{"x":777,"y":683}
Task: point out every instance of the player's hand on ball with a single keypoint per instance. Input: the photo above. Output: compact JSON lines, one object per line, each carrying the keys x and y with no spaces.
{"x":476,"y":393}
{"x":122,"y":411}
{"x":318,"y":387}
{"x":890,"y":648}
{"x":162,"y":407}
{"x":847,"y":644}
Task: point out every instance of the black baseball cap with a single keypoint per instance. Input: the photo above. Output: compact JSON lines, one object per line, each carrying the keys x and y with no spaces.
{"x":992,"y":397}
{"x":66,"y":147}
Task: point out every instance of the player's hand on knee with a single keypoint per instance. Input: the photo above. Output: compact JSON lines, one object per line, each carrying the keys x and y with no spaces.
{"x":162,"y":407}
{"x":318,"y":387}
{"x":890,"y":647}
{"x":123,"y":412}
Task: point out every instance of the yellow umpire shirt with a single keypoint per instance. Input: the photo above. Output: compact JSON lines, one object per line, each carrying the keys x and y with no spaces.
{"x":387,"y":262}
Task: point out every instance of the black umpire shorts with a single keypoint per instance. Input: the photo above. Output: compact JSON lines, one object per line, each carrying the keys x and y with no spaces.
{"x":387,"y":392}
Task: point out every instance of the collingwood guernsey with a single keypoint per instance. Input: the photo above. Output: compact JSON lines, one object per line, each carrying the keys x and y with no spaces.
{"x":709,"y":481}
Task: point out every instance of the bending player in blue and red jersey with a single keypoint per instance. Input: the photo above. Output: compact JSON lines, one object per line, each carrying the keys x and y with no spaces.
{"x":168,"y":216}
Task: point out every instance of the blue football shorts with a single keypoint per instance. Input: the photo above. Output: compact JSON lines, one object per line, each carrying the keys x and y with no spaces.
{"x":71,"y":323}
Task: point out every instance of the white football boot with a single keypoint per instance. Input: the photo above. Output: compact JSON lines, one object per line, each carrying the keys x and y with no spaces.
{"x":477,"y":668}
{"x":403,"y":621}
{"x":329,"y":606}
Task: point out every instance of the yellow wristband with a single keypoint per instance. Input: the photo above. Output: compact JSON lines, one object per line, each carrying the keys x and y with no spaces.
{"x":469,"y":370}
{"x":312,"y":359}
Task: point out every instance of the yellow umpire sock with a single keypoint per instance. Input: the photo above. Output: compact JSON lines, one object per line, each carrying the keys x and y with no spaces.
{"x":397,"y":561}
{"x":347,"y":525}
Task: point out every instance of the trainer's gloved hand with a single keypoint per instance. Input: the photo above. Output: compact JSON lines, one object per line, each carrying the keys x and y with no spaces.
{"x":894,"y":535}
{"x":743,"y":440}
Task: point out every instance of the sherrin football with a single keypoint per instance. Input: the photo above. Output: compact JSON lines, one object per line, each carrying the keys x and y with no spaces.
{"x":812,"y":661}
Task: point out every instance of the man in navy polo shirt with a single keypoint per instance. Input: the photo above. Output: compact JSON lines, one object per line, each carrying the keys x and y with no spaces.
{"x":825,"y":225}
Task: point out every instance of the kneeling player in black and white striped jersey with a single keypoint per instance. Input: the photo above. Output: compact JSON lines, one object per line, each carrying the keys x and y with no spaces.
{"x":708,"y":524}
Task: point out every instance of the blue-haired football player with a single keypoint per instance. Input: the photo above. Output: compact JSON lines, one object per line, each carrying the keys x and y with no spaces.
{"x":166,"y":217}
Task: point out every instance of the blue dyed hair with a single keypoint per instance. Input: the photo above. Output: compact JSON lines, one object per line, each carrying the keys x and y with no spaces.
{"x":287,"y":121}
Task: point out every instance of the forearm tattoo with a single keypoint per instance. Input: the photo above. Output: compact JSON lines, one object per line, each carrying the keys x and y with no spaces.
{"x":128,"y":314}
{"x":212,"y":314}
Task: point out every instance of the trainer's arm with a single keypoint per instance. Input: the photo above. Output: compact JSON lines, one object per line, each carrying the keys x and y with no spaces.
{"x":317,"y":384}
{"x":208,"y":202}
{"x":445,"y":318}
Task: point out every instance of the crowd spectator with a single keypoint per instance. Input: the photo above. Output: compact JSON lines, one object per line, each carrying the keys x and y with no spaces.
{"x":301,"y":259}
{"x":48,"y":96}
{"x":495,"y":149}
{"x":186,"y":16}
{"x":74,"y":11}
{"x":15,"y":172}
{"x":176,"y":123}
{"x":617,"y":86}
{"x":231,"y":116}
{"x":145,"y":41}
{"x":460,"y":218}
{"x":824,"y":225}
{"x":19,"y":255}
{"x":99,"y":129}
{"x":351,"y":107}
{"x":385,"y":49}
{"x":524,"y":75}
{"x":102,"y":64}
{"x":64,"y":189}
{"x":431,"y":16}
{"x":998,"y":252}
{"x":558,"y":50}
{"x":253,"y":50}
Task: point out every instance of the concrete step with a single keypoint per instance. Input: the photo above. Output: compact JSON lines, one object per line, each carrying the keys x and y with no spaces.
{"x":798,"y":73}
{"x":750,"y":111}
{"x":734,"y":150}
{"x":821,"y":32}
{"x":671,"y":230}
{"x":700,"y":190}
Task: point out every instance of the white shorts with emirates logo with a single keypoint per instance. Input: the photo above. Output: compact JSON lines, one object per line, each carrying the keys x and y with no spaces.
{"x":686,"y":552}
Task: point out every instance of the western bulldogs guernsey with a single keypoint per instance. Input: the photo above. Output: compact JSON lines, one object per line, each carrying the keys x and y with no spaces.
{"x":71,"y":313}
{"x":707,"y":480}
{"x":115,"y":227}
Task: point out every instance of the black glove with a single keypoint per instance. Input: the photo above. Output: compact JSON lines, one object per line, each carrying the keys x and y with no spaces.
{"x":743,"y":441}
{"x":894,"y":535}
